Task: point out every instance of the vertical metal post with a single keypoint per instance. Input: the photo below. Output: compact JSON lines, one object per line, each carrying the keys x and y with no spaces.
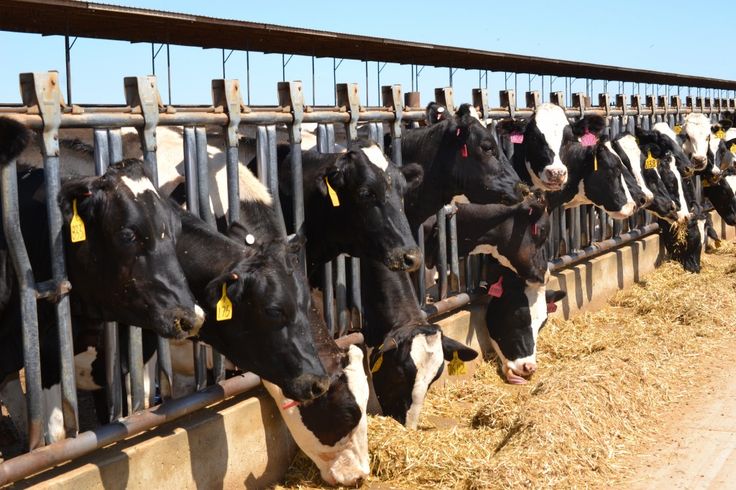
{"x":68,"y":58}
{"x":454,"y":259}
{"x":391,"y":97}
{"x":40,"y":93}
{"x":328,"y":295}
{"x":290,"y":95}
{"x":442,"y":252}
{"x":226,"y":95}
{"x":168,"y":71}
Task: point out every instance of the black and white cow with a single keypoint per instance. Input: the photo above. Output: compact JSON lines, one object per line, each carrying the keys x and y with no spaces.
{"x":408,"y":352}
{"x":720,"y":193}
{"x":351,"y":206}
{"x":638,"y":158}
{"x":696,"y":136}
{"x":459,"y":155}
{"x":516,"y":312}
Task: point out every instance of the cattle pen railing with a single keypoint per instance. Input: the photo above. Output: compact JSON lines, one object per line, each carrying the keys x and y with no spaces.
{"x":576,"y":234}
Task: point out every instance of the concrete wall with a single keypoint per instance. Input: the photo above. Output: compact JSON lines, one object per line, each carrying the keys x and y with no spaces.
{"x":243,"y":442}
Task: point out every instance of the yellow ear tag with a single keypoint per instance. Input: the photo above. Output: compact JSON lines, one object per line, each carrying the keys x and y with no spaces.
{"x":595,"y":163}
{"x":333,"y":195}
{"x":650,"y":162}
{"x":720,"y":134}
{"x":677,"y":129}
{"x":456,"y":366}
{"x":77,"y":225}
{"x":733,"y":148}
{"x":224,"y":310}
{"x":377,"y":364}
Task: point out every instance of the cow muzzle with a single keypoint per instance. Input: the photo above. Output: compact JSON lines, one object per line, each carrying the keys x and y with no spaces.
{"x":405,"y":259}
{"x":306,"y":387}
{"x":516,"y":371}
{"x":554,"y":178}
{"x":182,"y":323}
{"x":699,"y":162}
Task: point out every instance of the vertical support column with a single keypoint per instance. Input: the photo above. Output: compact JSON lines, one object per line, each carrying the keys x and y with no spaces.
{"x":480,"y":102}
{"x":291,"y":98}
{"x":226,"y":97}
{"x":391,"y":98}
{"x":41,"y":94}
{"x":142,"y":95}
{"x":557,"y":98}
{"x":446,"y":97}
{"x":442,"y":252}
{"x":533,"y":99}
{"x":349,"y":97}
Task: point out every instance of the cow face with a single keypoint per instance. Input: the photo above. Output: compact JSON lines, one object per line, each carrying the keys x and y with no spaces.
{"x":514,"y":320}
{"x":410,"y":359}
{"x":666,"y":138}
{"x":695,"y":136}
{"x":476,"y":168}
{"x":129,"y":248}
{"x":270,"y":319}
{"x":333,"y":429}
{"x":543,"y":139}
{"x":369,"y":208}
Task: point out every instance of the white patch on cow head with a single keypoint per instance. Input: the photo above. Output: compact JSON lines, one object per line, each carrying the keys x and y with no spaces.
{"x":635,"y":165}
{"x":665,"y":129}
{"x":493,"y":251}
{"x":551,"y":121}
{"x":684,"y":209}
{"x":83,"y":369}
{"x":474,"y":114}
{"x":376,"y":156}
{"x":346,"y":462}
{"x":695,"y":146}
{"x":138,"y":186}
{"x":426,"y":352}
{"x":55,"y":430}
{"x":731,"y":181}
{"x":701,"y":230}
{"x":627,"y":209}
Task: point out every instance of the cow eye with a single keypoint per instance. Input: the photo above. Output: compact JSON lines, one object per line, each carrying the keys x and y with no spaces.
{"x":275,"y":313}
{"x":127,"y":236}
{"x":366,"y":194}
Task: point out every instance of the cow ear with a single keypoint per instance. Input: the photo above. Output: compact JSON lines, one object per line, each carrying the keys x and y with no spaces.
{"x":84,"y":191}
{"x":332,"y":175}
{"x":414,"y":175}
{"x":726,"y":124}
{"x":553,"y":296}
{"x":235,"y":281}
{"x":591,"y":123}
{"x":508,"y":126}
{"x":451,"y":346}
{"x":295,"y":243}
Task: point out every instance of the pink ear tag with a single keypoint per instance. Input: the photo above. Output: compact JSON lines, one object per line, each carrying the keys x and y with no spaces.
{"x":588,"y":139}
{"x":464,"y":151}
{"x":496,"y":289}
{"x":551,"y":307}
{"x":457,"y":133}
{"x":516,"y":138}
{"x":535,"y":229}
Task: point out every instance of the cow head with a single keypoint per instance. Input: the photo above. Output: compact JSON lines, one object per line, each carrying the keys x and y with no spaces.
{"x":516,"y":313}
{"x":410,"y":359}
{"x":721,"y":195}
{"x":540,"y":144}
{"x":362,"y":198}
{"x":476,"y":168}
{"x":636,"y":157}
{"x":269,"y":329}
{"x":695,"y":136}
{"x":131,"y":234}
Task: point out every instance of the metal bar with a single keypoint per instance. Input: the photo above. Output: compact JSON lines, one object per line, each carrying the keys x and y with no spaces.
{"x":24,"y":273}
{"x":355,"y":294}
{"x":420,"y":276}
{"x":273,"y":176}
{"x":68,"y":58}
{"x":448,"y":304}
{"x":203,"y":178}
{"x":30,"y":463}
{"x":328,"y":298}
{"x":341,"y":299}
{"x":135,"y":366}
{"x":454,"y":259}
{"x":442,"y":252}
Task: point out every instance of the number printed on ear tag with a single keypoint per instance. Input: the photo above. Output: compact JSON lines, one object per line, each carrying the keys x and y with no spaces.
{"x":224,"y":310}
{"x":720,"y":134}
{"x":456,"y":366}
{"x":650,"y":162}
{"x":79,"y":234}
{"x":677,"y":129}
{"x":377,"y":364}
{"x":333,"y":194}
{"x":733,"y":148}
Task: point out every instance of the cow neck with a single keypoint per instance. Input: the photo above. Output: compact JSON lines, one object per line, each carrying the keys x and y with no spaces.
{"x":389,"y":301}
{"x":518,"y":161}
{"x":577,"y":170}
{"x":433,"y":148}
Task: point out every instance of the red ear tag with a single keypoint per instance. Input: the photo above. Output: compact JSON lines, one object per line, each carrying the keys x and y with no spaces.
{"x":457,"y":133}
{"x":516,"y":138}
{"x":535,"y":229}
{"x":464,"y":151}
{"x":496,"y":289}
{"x":551,"y":307}
{"x":588,"y":139}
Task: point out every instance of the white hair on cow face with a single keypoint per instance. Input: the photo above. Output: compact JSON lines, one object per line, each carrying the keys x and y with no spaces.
{"x":697,"y":127}
{"x":551,"y":121}
{"x":346,"y":462}
{"x":426,"y":352}
{"x":635,"y":165}
{"x":665,"y":129}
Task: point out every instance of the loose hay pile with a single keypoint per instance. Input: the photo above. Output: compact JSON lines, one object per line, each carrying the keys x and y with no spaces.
{"x":604,"y":380}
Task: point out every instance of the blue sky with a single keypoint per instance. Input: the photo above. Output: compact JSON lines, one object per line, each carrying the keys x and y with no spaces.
{"x":641,"y":34}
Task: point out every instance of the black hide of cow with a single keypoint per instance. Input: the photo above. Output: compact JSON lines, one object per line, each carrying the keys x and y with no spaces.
{"x":721,"y":195}
{"x":269,"y":332}
{"x":517,"y":232}
{"x":368,"y":222}
{"x":393,"y":321}
{"x":459,"y":156}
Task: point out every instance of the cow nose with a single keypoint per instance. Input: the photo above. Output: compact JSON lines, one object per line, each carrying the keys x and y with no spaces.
{"x":319,"y":386}
{"x":555,"y":175}
{"x":699,"y":160}
{"x":643,"y":201}
{"x":529,"y":367}
{"x":412,"y":259}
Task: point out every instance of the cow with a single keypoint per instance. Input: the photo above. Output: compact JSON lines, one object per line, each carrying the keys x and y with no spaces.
{"x":516,"y":312}
{"x":695,"y":136}
{"x":351,"y":206}
{"x":649,"y":161}
{"x":513,"y":235}
{"x":408,"y":352}
{"x":720,"y":193}
{"x":459,"y":156}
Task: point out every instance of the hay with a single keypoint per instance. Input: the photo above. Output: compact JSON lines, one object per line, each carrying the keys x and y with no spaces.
{"x":605,"y":379}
